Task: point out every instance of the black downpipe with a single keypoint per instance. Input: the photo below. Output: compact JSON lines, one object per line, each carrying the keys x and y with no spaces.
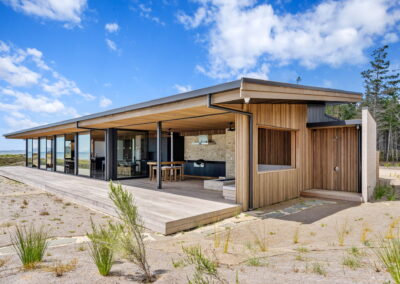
{"x":250,"y":115}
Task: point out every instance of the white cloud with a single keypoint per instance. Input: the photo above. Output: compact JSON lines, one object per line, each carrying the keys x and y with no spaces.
{"x":105,"y":102}
{"x":15,"y":74}
{"x":28,"y":86}
{"x":147,"y":12}
{"x":18,"y":123}
{"x":182,"y":88}
{"x":69,"y":11}
{"x":111,"y":44}
{"x":111,"y":27}
{"x":243,"y":36}
{"x":42,"y":104}
{"x":390,"y":38}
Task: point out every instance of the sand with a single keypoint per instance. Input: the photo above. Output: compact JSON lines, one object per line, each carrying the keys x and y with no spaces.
{"x":301,"y":237}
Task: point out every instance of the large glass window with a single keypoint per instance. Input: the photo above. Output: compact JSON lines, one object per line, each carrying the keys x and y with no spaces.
{"x":98,"y":153}
{"x":35,"y":153}
{"x":276,"y":149}
{"x":60,"y":153}
{"x":42,"y":149}
{"x":131,"y":153}
{"x":84,"y":154}
{"x":49,"y":155}
{"x":70,"y":153}
{"x":29,"y":152}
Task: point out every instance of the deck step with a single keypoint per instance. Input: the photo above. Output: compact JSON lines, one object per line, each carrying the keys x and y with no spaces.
{"x":333,"y":194}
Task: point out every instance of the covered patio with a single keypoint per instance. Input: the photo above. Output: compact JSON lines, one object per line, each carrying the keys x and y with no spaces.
{"x":178,"y":207}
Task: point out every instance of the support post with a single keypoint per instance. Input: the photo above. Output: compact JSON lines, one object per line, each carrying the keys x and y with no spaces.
{"x":111,"y":154}
{"x":172,"y":146}
{"x":76,"y":154}
{"x":159,"y":134}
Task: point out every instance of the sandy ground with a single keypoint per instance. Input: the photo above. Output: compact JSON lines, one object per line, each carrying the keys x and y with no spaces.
{"x":300,"y":235}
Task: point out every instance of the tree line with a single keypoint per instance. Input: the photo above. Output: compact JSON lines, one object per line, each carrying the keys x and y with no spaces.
{"x":381,"y":96}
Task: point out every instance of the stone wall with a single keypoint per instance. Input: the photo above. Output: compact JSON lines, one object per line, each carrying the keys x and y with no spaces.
{"x":223,"y":149}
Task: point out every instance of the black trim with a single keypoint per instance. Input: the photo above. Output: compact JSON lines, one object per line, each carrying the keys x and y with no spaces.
{"x":334,"y":123}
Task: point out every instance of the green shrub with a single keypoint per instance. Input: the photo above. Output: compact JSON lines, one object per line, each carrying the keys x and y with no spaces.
{"x":30,"y":244}
{"x":101,"y":248}
{"x":383,"y":190}
{"x":389,"y":255}
{"x":130,"y":232}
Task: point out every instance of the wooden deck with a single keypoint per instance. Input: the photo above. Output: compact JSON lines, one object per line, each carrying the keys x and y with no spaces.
{"x":179,"y":206}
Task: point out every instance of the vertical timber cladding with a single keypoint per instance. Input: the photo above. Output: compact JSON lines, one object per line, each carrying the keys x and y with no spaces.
{"x":336,"y":159}
{"x":274,"y":186}
{"x":242,"y":160}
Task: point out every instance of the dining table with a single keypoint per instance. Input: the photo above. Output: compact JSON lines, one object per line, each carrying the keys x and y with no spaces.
{"x":153,"y":164}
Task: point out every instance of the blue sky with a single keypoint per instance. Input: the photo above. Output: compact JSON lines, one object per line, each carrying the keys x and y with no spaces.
{"x":62,"y":59}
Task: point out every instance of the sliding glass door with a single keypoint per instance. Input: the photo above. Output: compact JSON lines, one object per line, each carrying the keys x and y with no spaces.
{"x":60,"y":151}
{"x":97,"y":153}
{"x":131,"y":153}
{"x":35,"y":153}
{"x":84,"y":154}
{"x":70,"y":154}
{"x":29,"y":152}
{"x":42,"y":155}
{"x":49,"y":155}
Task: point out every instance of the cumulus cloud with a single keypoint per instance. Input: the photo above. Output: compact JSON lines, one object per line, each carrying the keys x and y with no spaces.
{"x":105,"y":102}
{"x":68,"y":11}
{"x":243,"y":37}
{"x":16,"y":74}
{"x":182,"y":88}
{"x":111,"y":27}
{"x":29,"y":86}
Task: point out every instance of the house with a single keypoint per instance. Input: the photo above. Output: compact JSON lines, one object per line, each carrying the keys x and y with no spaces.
{"x":262,"y":142}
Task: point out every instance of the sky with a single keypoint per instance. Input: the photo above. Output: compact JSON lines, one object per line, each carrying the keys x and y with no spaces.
{"x":64,"y":59}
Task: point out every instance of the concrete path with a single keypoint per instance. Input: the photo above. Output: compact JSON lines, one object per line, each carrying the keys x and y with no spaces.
{"x":161,"y":211}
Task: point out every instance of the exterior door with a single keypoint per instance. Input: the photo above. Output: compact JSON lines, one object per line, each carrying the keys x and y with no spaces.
{"x":335,"y":159}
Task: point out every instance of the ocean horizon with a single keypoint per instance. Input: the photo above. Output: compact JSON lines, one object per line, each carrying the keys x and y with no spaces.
{"x":12,"y":152}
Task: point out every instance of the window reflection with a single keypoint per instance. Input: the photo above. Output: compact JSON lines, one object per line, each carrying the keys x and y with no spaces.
{"x":131,"y":153}
{"x":84,"y":154}
{"x":70,"y":154}
{"x":29,"y":152}
{"x":35,"y":153}
{"x":42,"y":149}
{"x":60,"y":153}
{"x":49,"y":155}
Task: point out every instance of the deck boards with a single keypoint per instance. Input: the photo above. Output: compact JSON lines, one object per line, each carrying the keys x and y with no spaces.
{"x":180,"y":206}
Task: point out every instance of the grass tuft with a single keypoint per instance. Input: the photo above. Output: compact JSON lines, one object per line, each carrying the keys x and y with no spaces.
{"x":318,"y":268}
{"x":101,"y":249}
{"x":389,"y":255}
{"x":227,"y":240}
{"x":342,"y":231}
{"x":60,"y":268}
{"x":30,"y":244}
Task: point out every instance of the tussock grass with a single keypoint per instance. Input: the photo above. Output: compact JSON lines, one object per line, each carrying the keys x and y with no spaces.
{"x":364,"y":234}
{"x":318,"y":268}
{"x":302,"y":249}
{"x":296,"y":236}
{"x":206,"y":270}
{"x":342,"y":231}
{"x":30,"y":244}
{"x":217,"y":238}
{"x":392,"y":226}
{"x":178,"y":263}
{"x":227,"y":240}
{"x":261,"y":238}
{"x":389,"y":255}
{"x":101,"y":250}
{"x":255,"y":261}
{"x":352,"y":262}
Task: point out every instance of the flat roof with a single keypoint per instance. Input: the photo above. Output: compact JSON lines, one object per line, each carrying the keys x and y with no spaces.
{"x":183,"y":96}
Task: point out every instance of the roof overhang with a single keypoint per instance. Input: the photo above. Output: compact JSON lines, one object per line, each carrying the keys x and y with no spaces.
{"x":192,"y":104}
